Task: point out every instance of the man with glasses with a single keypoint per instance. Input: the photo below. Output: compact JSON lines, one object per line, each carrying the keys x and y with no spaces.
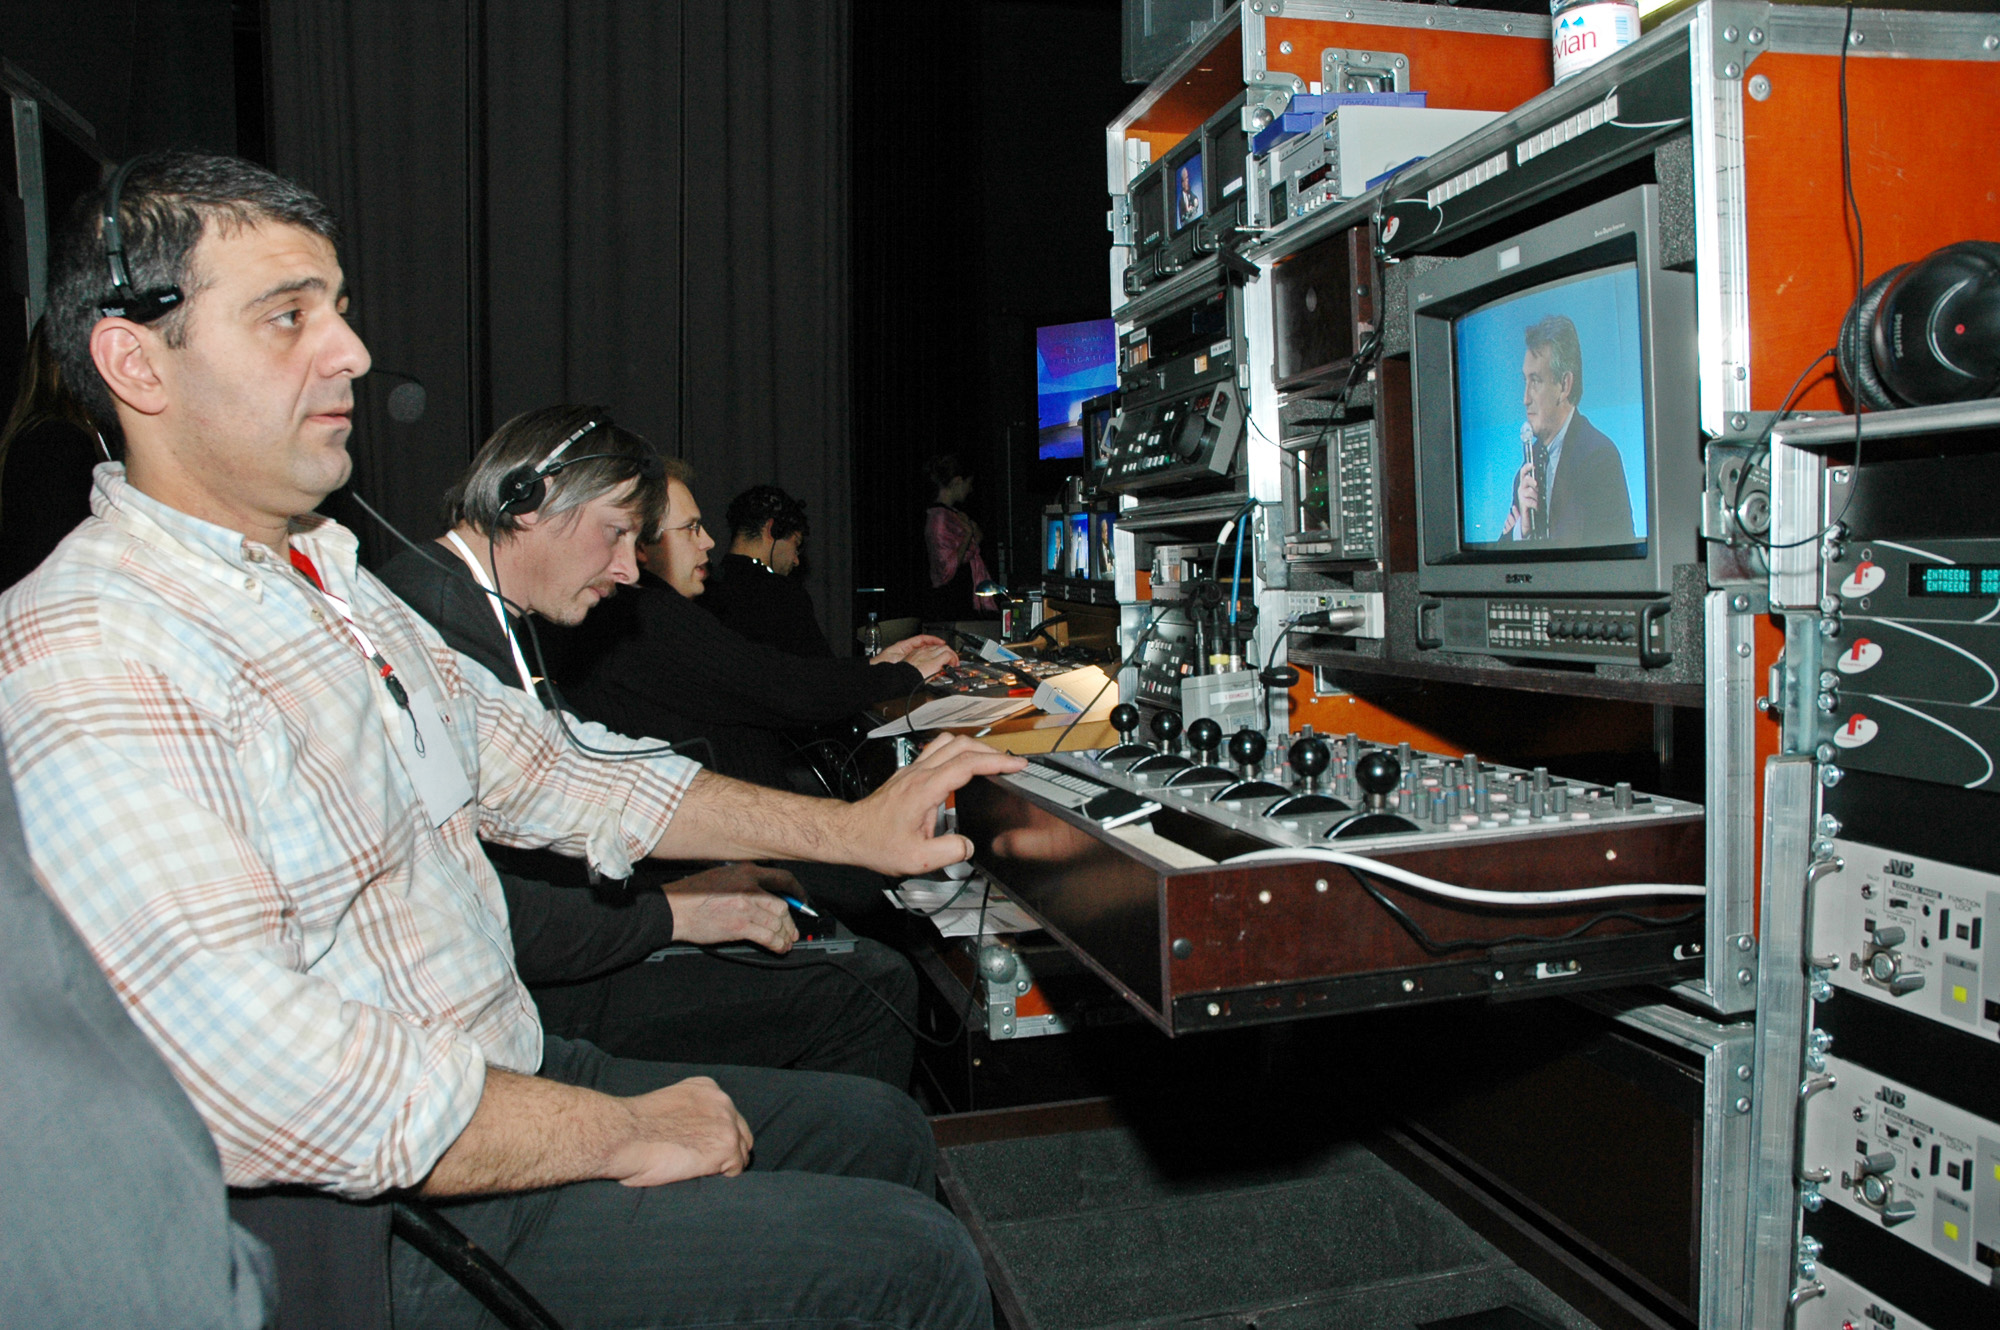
{"x":545,"y":524}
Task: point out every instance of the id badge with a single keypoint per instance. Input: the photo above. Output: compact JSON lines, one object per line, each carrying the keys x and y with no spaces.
{"x":424,"y":743}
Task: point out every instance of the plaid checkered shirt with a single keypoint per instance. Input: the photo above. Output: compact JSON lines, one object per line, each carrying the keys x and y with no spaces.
{"x":210,"y":790}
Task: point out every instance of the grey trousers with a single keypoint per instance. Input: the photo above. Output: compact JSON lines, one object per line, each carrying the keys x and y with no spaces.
{"x":833,"y":1224}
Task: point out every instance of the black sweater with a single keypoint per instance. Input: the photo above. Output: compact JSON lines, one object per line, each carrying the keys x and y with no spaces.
{"x":764,"y":607}
{"x":650,"y":661}
{"x":564,"y":930}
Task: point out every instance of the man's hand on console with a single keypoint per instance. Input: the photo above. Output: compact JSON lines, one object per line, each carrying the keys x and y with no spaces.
{"x":929,"y":654}
{"x":735,"y":903}
{"x":891,"y":829}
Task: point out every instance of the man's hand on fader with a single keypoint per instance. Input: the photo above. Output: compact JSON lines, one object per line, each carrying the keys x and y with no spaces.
{"x":891,"y":828}
{"x":735,"y":903}
{"x":929,"y":654}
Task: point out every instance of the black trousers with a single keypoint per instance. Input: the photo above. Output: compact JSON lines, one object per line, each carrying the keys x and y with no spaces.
{"x":810,"y":1011}
{"x":833,"y":1224}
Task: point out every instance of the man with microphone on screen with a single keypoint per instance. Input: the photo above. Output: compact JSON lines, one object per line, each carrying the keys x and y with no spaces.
{"x":1571,"y":488}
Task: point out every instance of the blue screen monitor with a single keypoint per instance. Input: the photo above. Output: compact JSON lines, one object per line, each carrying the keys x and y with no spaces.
{"x":1523,"y":363}
{"x":1055,"y":529}
{"x":1074,"y":362}
{"x":1079,"y":544}
{"x":1103,"y":546}
{"x":1186,"y":198}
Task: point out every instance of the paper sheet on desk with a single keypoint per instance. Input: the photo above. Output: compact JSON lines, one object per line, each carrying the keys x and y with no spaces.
{"x":958,"y":711}
{"x":954,"y":907}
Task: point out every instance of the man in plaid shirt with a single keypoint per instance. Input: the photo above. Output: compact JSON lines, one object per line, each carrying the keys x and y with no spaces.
{"x":256,"y":782}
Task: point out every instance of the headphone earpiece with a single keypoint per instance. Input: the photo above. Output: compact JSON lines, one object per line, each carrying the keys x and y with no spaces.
{"x":1853,"y":356}
{"x":526,"y":488}
{"x":1926,"y":333}
{"x":126,"y":303}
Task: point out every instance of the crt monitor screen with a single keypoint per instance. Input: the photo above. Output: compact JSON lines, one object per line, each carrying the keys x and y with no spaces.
{"x":1079,"y":544}
{"x":1074,"y":362}
{"x":1054,"y":546}
{"x":1552,"y":419}
{"x":1186,"y":199}
{"x":1103,"y":546}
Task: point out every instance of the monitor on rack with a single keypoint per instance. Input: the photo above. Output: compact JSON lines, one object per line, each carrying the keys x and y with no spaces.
{"x":1187,"y":197}
{"x":1558,"y":442}
{"x":1055,"y":542}
{"x":1074,"y":362}
{"x":1323,"y":305}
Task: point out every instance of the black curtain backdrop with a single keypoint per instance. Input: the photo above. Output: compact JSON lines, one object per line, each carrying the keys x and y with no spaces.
{"x":638,"y":204}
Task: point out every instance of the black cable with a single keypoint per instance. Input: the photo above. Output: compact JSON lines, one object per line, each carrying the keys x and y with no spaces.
{"x":562,"y":719}
{"x":1440,"y":948}
{"x":1152,"y":626}
{"x":1860,"y":237}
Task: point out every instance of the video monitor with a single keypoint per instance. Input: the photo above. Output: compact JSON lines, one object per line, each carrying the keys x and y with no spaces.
{"x":1074,"y":362}
{"x":1316,"y":308}
{"x":1103,"y":546}
{"x":1542,"y":461}
{"x":1055,"y":544}
{"x":1556,"y":422}
{"x":1187,"y":199}
{"x":1079,"y":544}
{"x":1149,"y":213}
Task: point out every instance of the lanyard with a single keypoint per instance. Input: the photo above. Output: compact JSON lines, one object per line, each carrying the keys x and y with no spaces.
{"x":361,"y":640}
{"x":499,"y":610}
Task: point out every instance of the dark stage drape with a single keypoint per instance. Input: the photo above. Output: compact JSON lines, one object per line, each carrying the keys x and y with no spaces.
{"x":638,"y":204}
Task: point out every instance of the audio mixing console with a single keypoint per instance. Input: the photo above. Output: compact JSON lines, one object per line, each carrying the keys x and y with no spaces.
{"x":1230,"y":882}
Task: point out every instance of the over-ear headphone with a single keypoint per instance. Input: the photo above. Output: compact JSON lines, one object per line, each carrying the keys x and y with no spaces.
{"x":525,"y":488}
{"x":1926,"y":332}
{"x":126,"y":303}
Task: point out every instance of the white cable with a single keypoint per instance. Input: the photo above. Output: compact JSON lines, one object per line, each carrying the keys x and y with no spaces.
{"x":1417,"y":882}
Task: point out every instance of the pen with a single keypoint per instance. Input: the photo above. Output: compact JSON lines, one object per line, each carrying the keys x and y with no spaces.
{"x":799,"y":905}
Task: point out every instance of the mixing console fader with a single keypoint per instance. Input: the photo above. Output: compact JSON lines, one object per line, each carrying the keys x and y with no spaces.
{"x":1224,"y":879}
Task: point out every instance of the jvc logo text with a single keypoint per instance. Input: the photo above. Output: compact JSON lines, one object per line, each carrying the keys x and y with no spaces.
{"x":1900,"y":868}
{"x":1887,"y":1320}
{"x":1893,"y":1098}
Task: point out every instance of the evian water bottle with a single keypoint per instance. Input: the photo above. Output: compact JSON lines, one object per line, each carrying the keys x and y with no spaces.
{"x":1587,"y":31}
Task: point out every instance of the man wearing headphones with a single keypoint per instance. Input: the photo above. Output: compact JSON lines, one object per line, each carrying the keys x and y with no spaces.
{"x":256,"y":782}
{"x":753,"y":589}
{"x":544,"y":526}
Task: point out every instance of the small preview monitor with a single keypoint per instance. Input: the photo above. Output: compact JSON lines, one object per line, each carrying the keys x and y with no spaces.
{"x":1074,"y":362}
{"x":1079,"y":544}
{"x":1187,"y":199}
{"x":1319,"y":298}
{"x":1104,"y":546}
{"x":1055,"y":544}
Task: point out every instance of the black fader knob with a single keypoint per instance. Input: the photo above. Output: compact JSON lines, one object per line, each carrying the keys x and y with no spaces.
{"x":1246,"y":749}
{"x":1167,"y":728}
{"x":1124,"y":719}
{"x":1206,"y":736}
{"x":1310,"y":759}
{"x":1377,"y":773}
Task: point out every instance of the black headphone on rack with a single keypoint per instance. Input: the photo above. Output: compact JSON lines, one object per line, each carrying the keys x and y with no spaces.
{"x":126,"y":303}
{"x":1926,"y":332}
{"x":525,"y":488}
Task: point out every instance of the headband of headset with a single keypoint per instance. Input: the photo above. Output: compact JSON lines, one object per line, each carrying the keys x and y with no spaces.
{"x":127,"y":303}
{"x":526,"y":488}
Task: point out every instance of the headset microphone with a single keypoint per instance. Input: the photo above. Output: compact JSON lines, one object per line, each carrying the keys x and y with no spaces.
{"x":525,"y":488}
{"x":127,"y":303}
